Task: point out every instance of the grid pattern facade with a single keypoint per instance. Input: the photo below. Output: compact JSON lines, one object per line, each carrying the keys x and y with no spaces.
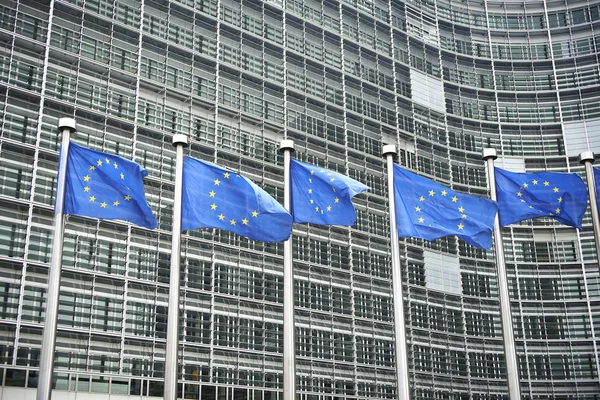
{"x":441,"y":80}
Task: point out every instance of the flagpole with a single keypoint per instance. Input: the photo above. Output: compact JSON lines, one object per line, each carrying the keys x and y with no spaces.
{"x":587,"y":158}
{"x":389,"y":151}
{"x":171,"y":365}
{"x":44,"y":392}
{"x":510,"y":352}
{"x":289,"y":340}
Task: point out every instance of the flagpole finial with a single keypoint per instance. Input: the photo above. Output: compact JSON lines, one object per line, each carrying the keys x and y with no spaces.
{"x":180,"y":139}
{"x":389,"y":149}
{"x":489,"y":153}
{"x":67,"y":123}
{"x":586,"y":156}
{"x":286,"y":144}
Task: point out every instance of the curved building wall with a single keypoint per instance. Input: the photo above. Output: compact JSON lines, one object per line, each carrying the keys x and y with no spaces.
{"x":440,"y":79}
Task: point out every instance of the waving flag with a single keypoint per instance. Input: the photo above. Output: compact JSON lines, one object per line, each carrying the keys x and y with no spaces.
{"x":522,"y":196}
{"x":597,"y":182}
{"x":214,"y":197}
{"x":321,"y":196}
{"x":105,"y":186}
{"x":427,"y":210}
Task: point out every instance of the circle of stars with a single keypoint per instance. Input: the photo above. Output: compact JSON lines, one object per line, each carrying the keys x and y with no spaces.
{"x":444,"y":193}
{"x":214,"y":206}
{"x":102,"y":163}
{"x":321,"y":208}
{"x":545,"y":184}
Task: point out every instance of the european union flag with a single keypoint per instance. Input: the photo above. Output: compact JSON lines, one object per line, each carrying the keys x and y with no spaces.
{"x":428,"y":210}
{"x":214,"y":197}
{"x":321,"y":196}
{"x":527,"y":195}
{"x":100,"y":185}
{"x":597,"y":182}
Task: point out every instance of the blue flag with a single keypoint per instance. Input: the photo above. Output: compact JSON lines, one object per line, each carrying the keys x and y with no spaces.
{"x":427,"y":210}
{"x":597,"y":182}
{"x":214,"y":197}
{"x":104,"y":186}
{"x":321,"y":196}
{"x":527,"y":195}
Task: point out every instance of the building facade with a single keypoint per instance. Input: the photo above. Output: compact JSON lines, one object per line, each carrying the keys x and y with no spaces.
{"x":440,"y":79}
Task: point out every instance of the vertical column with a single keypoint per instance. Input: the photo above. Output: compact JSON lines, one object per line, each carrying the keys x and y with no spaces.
{"x":289,"y":337}
{"x":399,"y":324}
{"x":44,"y":392}
{"x":510,"y":352}
{"x":171,"y":367}
{"x":587,"y":158}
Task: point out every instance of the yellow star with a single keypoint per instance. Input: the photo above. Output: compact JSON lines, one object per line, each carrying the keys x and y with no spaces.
{"x":431,"y":192}
{"x":107,"y":160}
{"x":555,"y":190}
{"x":317,"y":208}
{"x":92,"y":168}
{"x":332,"y":188}
{"x":312,"y":172}
{"x":337,"y":200}
{"x":99,"y":163}
{"x":522,"y":201}
{"x":421,"y":198}
{"x":116,"y":203}
{"x":128,"y":197}
{"x":454,"y":199}
{"x":221,"y":217}
{"x":535,"y":182}
{"x":86,"y":178}
{"x":525,"y":185}
{"x":444,"y":192}
{"x":421,"y":219}
{"x":321,"y":171}
{"x":86,"y":189}
{"x":213,"y":206}
{"x":560,"y":199}
{"x":92,"y":198}
{"x":212,"y":193}
{"x":115,"y":165}
{"x":557,"y":211}
{"x":217,"y":182}
{"x":519,"y":194}
{"x":332,"y":179}
{"x":226,"y":175}
{"x":309,"y":191}
{"x":460,"y":227}
{"x":122,"y":175}
{"x":255,"y":214}
{"x":232,"y":221}
{"x":546,"y":183}
{"x":464,"y":215}
{"x":103,"y":205}
{"x":328,"y":208}
{"x":245,"y":221}
{"x":530,"y":206}
{"x":310,"y":180}
{"x":312,"y":201}
{"x":417,"y":208}
{"x":461,"y":209}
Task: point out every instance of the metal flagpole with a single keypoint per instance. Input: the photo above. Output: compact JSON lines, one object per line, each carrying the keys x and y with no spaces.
{"x":399,"y":324}
{"x":171,"y":365}
{"x":510,"y":352}
{"x":44,"y":392}
{"x":587,"y":158}
{"x":289,"y":339}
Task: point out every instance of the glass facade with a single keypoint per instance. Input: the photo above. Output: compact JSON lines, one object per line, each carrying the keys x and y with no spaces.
{"x":440,"y":79}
